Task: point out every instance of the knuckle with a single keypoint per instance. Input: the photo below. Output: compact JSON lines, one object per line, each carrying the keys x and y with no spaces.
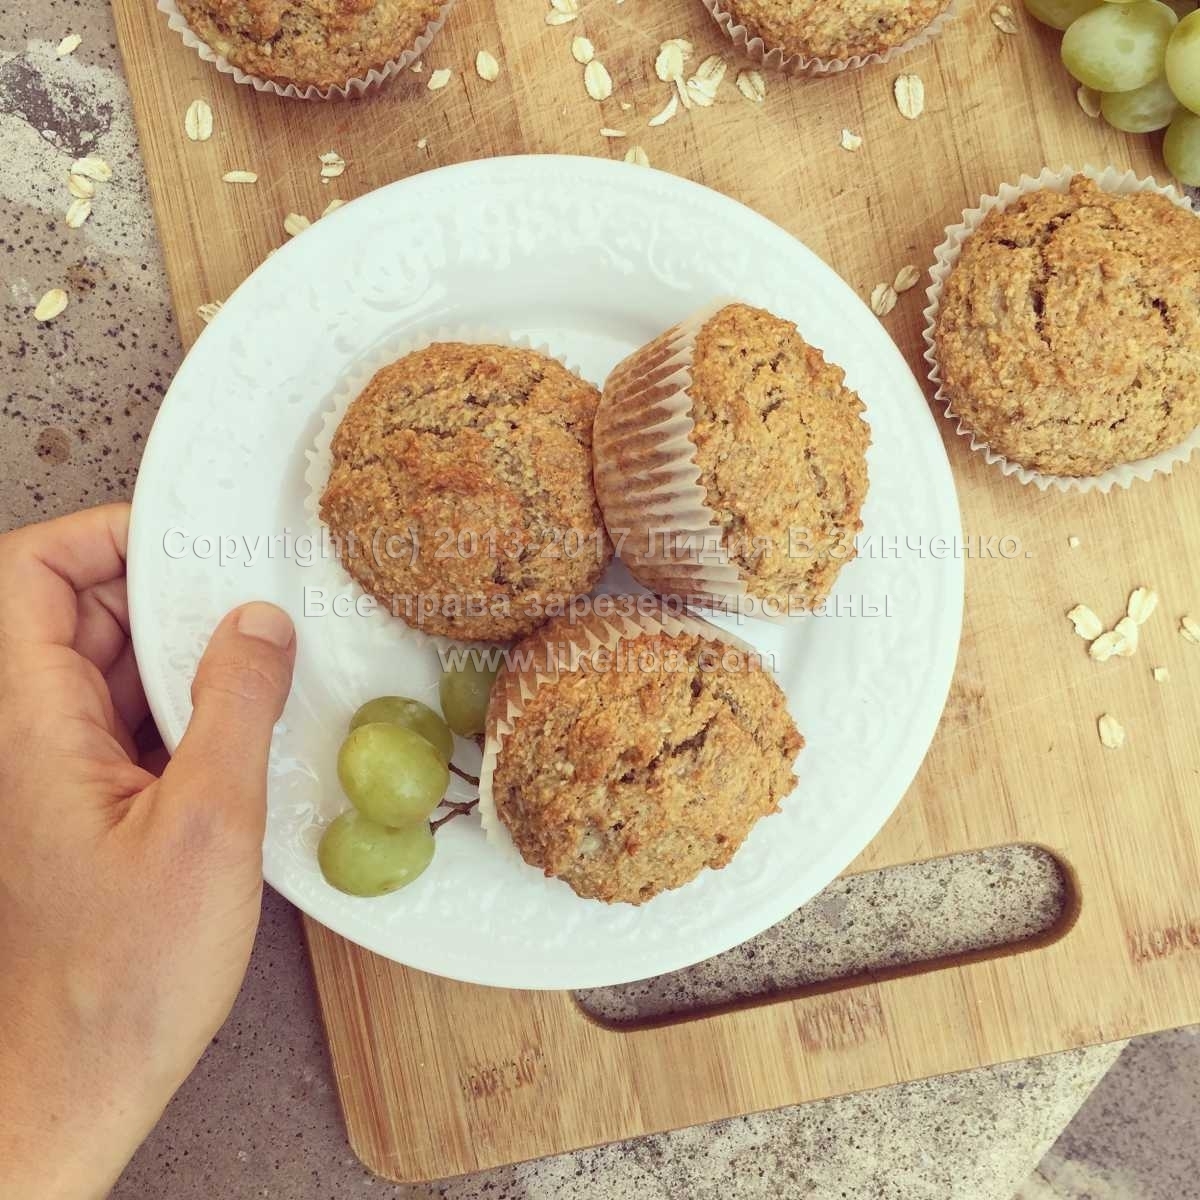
{"x":252,"y":678}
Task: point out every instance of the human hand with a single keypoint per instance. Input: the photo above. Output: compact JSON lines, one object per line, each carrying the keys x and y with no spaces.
{"x":128,"y":902}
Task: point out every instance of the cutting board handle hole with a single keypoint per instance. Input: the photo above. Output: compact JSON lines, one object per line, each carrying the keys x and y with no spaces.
{"x":899,"y":920}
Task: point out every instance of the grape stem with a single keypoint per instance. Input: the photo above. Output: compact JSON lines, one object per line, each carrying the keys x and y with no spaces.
{"x":471,"y":779}
{"x":456,"y":810}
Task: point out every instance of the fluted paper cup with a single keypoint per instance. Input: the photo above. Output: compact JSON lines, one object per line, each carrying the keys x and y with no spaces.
{"x":355,"y":86}
{"x":775,"y":58}
{"x":1109,"y":179}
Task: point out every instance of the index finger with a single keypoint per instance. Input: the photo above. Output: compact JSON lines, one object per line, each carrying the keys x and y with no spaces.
{"x":44,"y":567}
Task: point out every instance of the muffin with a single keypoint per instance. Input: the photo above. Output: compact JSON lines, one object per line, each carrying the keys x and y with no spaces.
{"x":460,"y":494}
{"x":1067,"y":336}
{"x":731,"y":463}
{"x":831,"y":29}
{"x":310,"y":43}
{"x":646,"y":754}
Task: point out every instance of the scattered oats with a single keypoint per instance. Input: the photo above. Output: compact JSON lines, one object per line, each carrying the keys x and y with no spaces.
{"x":1142,"y":603}
{"x":1086,"y":623}
{"x":422,"y":143}
{"x":81,"y":187}
{"x":1112,"y":732}
{"x":668,"y":66}
{"x":851,"y":141}
{"x":206,"y":312}
{"x":332,"y":206}
{"x":1127,"y":630}
{"x":752,"y":85}
{"x":198,"y":121}
{"x":486,"y":66}
{"x":637,"y":156}
{"x":1189,"y":628}
{"x":612,"y":133}
{"x":294,"y":223}
{"x":78,"y":211}
{"x":439,"y":78}
{"x":1161,"y":674}
{"x":332,"y":164}
{"x":910,"y":95}
{"x":1089,"y":100}
{"x":1005,"y":19}
{"x":907,"y":278}
{"x":92,"y":168}
{"x":50,"y":305}
{"x":681,"y":90}
{"x":626,"y":106}
{"x":672,"y":107}
{"x":597,"y":80}
{"x":239,"y":177}
{"x":582,"y":51}
{"x":883,"y":299}
{"x":417,"y":67}
{"x":562,"y":11}
{"x":685,"y":47}
{"x":1106,"y":645}
{"x":68,"y":45}
{"x":1074,"y":542}
{"x":703,"y":85}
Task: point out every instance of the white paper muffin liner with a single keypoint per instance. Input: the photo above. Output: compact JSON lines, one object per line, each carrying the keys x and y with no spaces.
{"x":648,"y":482}
{"x":328,"y":572}
{"x":775,"y":58}
{"x":352,"y":87}
{"x":1110,"y":179}
{"x":560,"y":648}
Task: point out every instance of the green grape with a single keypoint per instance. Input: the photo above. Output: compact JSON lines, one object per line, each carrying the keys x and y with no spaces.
{"x":1143,"y":110}
{"x":1183,"y":62}
{"x":464,"y":694}
{"x":1119,"y":47}
{"x":1059,"y":14}
{"x":391,"y":774}
{"x":412,"y":714}
{"x":1181,"y":148}
{"x":363,"y":858}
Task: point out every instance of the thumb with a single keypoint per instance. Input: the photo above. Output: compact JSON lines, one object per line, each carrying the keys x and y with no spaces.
{"x":241,"y":686}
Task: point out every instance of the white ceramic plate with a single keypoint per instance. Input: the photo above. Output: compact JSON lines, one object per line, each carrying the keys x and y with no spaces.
{"x":593,"y":258}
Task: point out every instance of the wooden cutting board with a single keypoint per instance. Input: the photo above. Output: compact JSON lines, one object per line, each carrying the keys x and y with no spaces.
{"x":439,"y":1078}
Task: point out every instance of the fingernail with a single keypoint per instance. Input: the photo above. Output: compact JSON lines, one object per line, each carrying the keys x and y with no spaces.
{"x":267,"y":623}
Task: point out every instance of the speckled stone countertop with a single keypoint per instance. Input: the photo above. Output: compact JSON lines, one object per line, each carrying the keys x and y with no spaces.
{"x":259,"y":1118}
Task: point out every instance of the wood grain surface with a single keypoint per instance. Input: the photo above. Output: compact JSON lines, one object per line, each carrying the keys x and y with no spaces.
{"x":439,"y":1078}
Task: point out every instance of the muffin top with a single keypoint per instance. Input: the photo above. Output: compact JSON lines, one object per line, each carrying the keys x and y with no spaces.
{"x":834,"y":28}
{"x":461,"y":490}
{"x":321,"y":43}
{"x":780,"y":447}
{"x":630,"y":777}
{"x":1068,"y":335}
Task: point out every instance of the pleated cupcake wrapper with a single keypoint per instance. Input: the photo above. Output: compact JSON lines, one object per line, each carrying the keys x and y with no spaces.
{"x":775,"y":58}
{"x":648,"y":483}
{"x":334,"y":577}
{"x":1110,"y":179}
{"x":356,"y":86}
{"x":560,"y":648}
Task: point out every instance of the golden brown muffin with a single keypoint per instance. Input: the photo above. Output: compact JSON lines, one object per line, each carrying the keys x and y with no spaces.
{"x":1068,"y":334}
{"x":628,"y":779}
{"x":319,"y":43}
{"x":461,"y":491}
{"x":834,"y":28}
{"x":779,"y":444}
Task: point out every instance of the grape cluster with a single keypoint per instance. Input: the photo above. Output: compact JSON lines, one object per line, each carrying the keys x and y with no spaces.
{"x":395,"y":767}
{"x":1143,"y":56}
